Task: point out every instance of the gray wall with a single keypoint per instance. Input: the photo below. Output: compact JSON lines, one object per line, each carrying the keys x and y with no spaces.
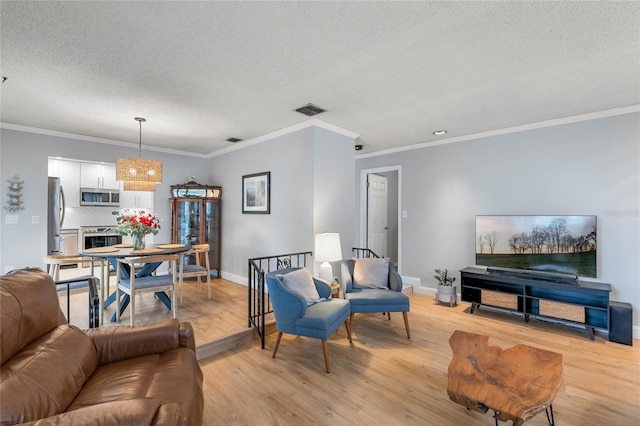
{"x":309,"y":168}
{"x":312,"y":180}
{"x":590,"y":167}
{"x":26,"y":154}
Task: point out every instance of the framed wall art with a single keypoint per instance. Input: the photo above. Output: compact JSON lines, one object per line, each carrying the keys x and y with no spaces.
{"x":256,"y":193}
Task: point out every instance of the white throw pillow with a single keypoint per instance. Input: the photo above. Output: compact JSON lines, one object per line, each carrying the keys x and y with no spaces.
{"x":301,"y":282}
{"x":371,"y":272}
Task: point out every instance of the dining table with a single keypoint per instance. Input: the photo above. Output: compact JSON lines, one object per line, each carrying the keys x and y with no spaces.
{"x":124,"y":250}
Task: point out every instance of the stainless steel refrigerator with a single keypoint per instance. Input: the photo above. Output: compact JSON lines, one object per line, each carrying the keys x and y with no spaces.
{"x":55,"y":215}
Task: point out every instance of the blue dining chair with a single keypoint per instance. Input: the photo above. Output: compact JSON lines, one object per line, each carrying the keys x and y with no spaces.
{"x":296,"y":315}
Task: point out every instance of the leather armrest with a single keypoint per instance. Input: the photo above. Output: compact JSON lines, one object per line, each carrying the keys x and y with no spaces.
{"x":118,"y":343}
{"x":168,"y":415}
{"x":134,"y":411}
{"x":187,"y":337}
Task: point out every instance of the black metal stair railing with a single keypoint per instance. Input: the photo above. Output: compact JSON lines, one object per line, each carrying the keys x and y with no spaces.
{"x":259,"y":301}
{"x":363,"y":252}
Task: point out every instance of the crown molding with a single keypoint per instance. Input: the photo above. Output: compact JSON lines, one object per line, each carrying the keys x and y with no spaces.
{"x":93,"y":139}
{"x":515,"y":129}
{"x":240,"y":145}
{"x":312,"y":122}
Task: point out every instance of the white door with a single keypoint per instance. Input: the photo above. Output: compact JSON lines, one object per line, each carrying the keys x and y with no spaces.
{"x":377,"y":214}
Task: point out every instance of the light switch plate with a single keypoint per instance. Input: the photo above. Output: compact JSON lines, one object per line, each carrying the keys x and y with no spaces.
{"x":35,"y":219}
{"x":11,"y":219}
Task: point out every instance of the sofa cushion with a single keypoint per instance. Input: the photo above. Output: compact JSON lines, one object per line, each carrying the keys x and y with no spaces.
{"x":29,"y":309}
{"x":371,"y":272}
{"x":53,"y":368}
{"x":173,"y":376}
{"x":135,"y":412}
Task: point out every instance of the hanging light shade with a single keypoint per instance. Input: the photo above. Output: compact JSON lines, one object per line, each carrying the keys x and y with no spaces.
{"x":129,"y":185}
{"x":139,"y":169}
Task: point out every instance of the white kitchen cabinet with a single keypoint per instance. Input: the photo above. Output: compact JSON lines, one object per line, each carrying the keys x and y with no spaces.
{"x":94,"y":175}
{"x":137,"y":200}
{"x":69,"y":174}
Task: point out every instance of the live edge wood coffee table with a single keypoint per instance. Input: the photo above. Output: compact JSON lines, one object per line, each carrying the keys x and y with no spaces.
{"x":516,"y":383}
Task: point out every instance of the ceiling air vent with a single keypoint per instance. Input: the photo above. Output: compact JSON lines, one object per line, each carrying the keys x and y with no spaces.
{"x":310,"y":110}
{"x":233,"y":140}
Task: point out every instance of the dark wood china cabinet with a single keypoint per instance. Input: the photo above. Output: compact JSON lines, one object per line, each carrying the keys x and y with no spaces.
{"x":195,"y":217}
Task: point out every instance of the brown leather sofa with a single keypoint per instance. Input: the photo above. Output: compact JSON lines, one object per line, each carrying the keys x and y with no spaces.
{"x":52,"y":373}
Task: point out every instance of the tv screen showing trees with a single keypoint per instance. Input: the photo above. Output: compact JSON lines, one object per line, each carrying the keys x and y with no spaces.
{"x":559,"y":244}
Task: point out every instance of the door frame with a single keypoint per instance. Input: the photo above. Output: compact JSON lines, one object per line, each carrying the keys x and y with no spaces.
{"x":363,"y":205}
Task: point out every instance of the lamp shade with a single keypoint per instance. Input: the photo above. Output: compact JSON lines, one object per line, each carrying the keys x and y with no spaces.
{"x":138,"y":170}
{"x":327,"y":247}
{"x":129,"y":185}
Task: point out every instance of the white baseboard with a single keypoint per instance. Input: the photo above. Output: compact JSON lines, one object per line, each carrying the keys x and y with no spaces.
{"x":238,"y":279}
{"x":417,"y":287}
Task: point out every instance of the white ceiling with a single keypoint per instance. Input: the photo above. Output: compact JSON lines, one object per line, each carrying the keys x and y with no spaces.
{"x":392,"y":72}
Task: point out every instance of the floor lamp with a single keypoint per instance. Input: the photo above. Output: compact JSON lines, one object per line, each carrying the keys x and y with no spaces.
{"x":327,"y":249}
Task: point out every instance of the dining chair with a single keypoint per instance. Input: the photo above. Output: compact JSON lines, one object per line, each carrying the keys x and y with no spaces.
{"x":196,"y":270}
{"x":150,"y":283}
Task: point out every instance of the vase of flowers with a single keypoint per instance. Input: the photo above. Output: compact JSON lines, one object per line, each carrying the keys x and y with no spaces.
{"x":138,"y":224}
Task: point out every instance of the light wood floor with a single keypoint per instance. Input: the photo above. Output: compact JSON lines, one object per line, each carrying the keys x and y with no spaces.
{"x":384,"y":378}
{"x":224,"y":315}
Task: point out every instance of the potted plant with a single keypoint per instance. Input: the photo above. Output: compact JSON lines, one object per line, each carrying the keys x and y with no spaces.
{"x":446,"y":289}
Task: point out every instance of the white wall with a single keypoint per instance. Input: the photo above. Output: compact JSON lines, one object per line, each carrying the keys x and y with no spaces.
{"x":309,"y":168}
{"x":589,"y":167}
{"x":26,"y":154}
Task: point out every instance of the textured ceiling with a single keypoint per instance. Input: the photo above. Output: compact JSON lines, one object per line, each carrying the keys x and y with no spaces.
{"x":393,"y":72}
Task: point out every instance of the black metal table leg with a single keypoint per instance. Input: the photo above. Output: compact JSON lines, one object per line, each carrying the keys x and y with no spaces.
{"x":549,"y":411}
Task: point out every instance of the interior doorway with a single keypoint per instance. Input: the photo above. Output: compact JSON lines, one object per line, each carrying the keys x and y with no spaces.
{"x":377,"y":214}
{"x":380,"y":204}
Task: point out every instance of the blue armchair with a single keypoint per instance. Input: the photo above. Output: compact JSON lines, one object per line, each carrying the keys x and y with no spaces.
{"x":384,"y":296}
{"x":294,"y":314}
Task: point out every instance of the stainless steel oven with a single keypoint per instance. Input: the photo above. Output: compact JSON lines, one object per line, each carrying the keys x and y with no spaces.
{"x":99,"y":236}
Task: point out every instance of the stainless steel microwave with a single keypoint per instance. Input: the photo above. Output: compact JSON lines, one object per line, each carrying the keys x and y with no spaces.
{"x":99,"y":197}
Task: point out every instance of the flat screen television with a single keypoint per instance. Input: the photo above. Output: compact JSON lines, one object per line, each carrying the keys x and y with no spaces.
{"x":546,"y":244}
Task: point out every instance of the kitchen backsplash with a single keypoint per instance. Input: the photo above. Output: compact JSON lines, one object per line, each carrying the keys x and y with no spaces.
{"x":75,"y":217}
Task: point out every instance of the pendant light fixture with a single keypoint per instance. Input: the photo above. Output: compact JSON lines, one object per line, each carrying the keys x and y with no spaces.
{"x":139,"y":174}
{"x":129,"y":185}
